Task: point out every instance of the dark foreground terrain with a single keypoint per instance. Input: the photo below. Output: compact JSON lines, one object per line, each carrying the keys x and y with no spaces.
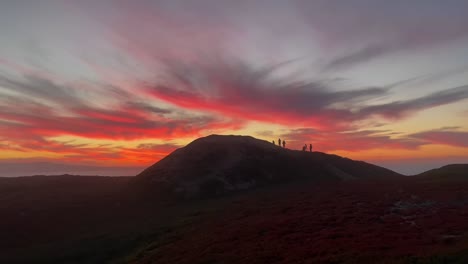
{"x":95,"y":220}
{"x":237,"y":199}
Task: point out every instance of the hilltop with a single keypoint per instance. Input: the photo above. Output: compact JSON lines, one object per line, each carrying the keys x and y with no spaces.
{"x":452,"y":172}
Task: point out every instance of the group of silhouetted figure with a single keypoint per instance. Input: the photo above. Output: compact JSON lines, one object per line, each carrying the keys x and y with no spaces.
{"x":279,"y":142}
{"x":283,"y":142}
{"x":304,"y":148}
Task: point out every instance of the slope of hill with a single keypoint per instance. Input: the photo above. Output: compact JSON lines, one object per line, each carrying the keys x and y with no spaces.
{"x":217,"y":165}
{"x":403,"y":221}
{"x":450,"y":172}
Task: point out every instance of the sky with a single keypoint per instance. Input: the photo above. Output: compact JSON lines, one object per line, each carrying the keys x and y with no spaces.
{"x":118,"y":85}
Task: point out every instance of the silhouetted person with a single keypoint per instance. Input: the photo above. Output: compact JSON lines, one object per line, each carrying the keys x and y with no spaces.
{"x":310,"y":147}
{"x":304,"y":147}
{"x":284,"y":143}
{"x":279,"y":142}
{"x":273,"y":142}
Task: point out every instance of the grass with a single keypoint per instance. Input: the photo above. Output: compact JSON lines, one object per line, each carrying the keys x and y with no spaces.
{"x":351,"y":222}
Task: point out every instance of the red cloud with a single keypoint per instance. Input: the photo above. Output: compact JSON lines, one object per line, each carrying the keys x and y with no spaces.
{"x":41,"y":109}
{"x":66,"y":113}
{"x":240,"y":90}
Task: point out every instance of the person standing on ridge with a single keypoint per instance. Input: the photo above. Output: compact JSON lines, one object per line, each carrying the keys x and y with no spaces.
{"x":279,"y":142}
{"x":273,"y":142}
{"x":284,"y":143}
{"x":310,"y":147}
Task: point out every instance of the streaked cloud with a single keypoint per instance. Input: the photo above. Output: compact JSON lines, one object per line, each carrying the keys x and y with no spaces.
{"x":400,"y":109}
{"x":235,"y":88}
{"x":444,"y":136}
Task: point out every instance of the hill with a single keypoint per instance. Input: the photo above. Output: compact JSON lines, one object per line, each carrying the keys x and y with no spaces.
{"x":452,"y":172}
{"x":216,"y":165}
{"x":47,"y":190}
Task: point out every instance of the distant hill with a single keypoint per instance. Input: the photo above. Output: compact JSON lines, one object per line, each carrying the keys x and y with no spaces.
{"x":58,"y":189}
{"x":16,"y":169}
{"x":216,"y":165}
{"x":448,"y":172}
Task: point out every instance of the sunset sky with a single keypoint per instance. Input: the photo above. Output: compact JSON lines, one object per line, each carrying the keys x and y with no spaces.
{"x":124,"y":83}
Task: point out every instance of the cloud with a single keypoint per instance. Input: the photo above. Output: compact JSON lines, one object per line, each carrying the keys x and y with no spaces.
{"x":234,"y":88}
{"x":363,"y":30}
{"x":39,"y":89}
{"x":358,"y":30}
{"x":180,"y":52}
{"x":239,"y":90}
{"x":169,"y":79}
{"x":362,"y":55}
{"x":107,"y":124}
{"x":373,"y":139}
{"x":349,"y":141}
{"x":33,"y":111}
{"x":444,"y":136}
{"x":149,"y":108}
{"x":266,"y":133}
{"x":165,"y":146}
{"x":401,"y":109}
{"x":430,"y":78}
{"x":208,"y":94}
{"x":74,"y":152}
{"x":148,"y":153}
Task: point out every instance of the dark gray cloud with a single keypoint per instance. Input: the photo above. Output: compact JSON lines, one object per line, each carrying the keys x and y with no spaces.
{"x":362,"y":55}
{"x":35,"y":89}
{"x":235,"y":88}
{"x":348,"y":32}
{"x":400,"y":109}
{"x":363,"y":29}
{"x":149,"y":108}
